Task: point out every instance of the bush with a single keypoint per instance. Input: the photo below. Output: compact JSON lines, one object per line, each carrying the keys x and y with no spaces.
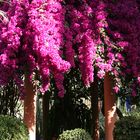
{"x":76,"y":134}
{"x":12,"y":128}
{"x":127,"y":128}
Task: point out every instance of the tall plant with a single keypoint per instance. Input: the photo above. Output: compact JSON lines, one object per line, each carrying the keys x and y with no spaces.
{"x":9,"y":100}
{"x":41,"y":34}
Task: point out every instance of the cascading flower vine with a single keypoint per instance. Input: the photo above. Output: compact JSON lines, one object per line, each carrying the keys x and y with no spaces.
{"x":33,"y":40}
{"x":46,"y":28}
{"x":40,"y":34}
{"x":80,"y":19}
{"x":118,"y":29}
{"x":10,"y":35}
{"x":123,"y":31}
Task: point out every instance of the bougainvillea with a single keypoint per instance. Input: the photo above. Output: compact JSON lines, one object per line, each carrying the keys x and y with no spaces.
{"x":50,"y":36}
{"x":32,"y":40}
{"x":123,"y":33}
{"x":80,"y":18}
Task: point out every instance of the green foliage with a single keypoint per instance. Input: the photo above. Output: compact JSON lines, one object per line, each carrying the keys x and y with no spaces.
{"x":9,"y":100}
{"x":12,"y":128}
{"x":135,"y":113}
{"x":76,"y":134}
{"x":71,"y":111}
{"x":128,"y":128}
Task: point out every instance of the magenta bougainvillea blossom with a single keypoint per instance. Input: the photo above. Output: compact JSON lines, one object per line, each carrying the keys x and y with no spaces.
{"x":123,"y":31}
{"x":51,"y":36}
{"x":32,"y":39}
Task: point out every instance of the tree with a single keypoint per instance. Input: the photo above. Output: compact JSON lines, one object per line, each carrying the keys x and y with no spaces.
{"x":27,"y":45}
{"x":40,"y":34}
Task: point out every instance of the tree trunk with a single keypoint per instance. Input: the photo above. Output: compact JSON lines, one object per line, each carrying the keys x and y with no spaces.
{"x":109,"y":108}
{"x":45,"y":104}
{"x":95,"y":108}
{"x":30,"y":108}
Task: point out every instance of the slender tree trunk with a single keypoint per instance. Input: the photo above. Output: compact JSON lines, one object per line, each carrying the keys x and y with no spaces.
{"x":109,"y":107}
{"x":95,"y":108}
{"x":30,"y":108}
{"x":45,"y":104}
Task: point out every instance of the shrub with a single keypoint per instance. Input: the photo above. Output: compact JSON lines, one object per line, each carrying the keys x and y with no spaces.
{"x":12,"y":128}
{"x":76,"y":134}
{"x":127,"y":128}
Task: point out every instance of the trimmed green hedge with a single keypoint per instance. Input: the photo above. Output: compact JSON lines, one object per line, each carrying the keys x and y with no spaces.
{"x":12,"y":128}
{"x":76,"y":134}
{"x":127,"y":128}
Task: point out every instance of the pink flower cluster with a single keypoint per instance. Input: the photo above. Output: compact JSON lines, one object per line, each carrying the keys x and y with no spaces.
{"x":10,"y":35}
{"x":46,"y":28}
{"x":123,"y":32}
{"x":51,"y":36}
{"x":32,"y":40}
{"x":80,"y":19}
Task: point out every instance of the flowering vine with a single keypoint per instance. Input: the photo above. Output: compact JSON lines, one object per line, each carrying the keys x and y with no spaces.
{"x":32,"y":40}
{"x":51,"y":36}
